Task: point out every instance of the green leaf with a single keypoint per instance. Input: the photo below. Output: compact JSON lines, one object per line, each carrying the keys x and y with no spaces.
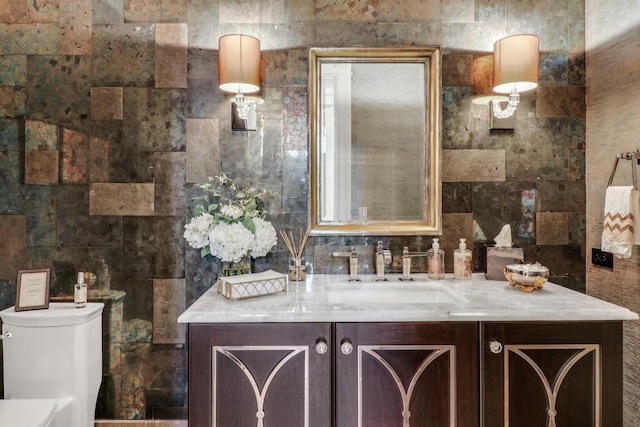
{"x":213,"y":207}
{"x":205,"y":198}
{"x":205,"y":251}
{"x":251,"y":206}
{"x":198,"y":210}
{"x":247,"y":222}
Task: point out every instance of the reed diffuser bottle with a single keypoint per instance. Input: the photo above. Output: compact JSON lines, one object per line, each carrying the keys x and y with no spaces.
{"x":297,"y":267}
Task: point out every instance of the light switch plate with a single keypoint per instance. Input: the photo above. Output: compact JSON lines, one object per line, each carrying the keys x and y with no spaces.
{"x":601,"y":258}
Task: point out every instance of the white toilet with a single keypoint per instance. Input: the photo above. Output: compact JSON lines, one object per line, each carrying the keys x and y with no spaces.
{"x":52,"y":366}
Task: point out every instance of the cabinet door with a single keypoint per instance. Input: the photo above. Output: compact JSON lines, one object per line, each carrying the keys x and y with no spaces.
{"x":406,"y":374}
{"x":552,"y":374}
{"x":260,"y":375}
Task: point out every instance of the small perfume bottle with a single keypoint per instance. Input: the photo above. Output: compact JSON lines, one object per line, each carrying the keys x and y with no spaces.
{"x":80,"y":292}
{"x":435,"y":261}
{"x":462,"y":266}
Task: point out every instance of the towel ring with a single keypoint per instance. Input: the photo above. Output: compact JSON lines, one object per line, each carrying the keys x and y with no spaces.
{"x":633,"y":156}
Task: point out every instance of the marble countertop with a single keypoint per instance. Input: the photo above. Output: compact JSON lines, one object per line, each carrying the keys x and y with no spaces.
{"x":332,"y":298}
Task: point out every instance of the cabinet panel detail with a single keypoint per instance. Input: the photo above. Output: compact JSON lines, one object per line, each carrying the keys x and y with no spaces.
{"x":550,"y":365}
{"x":405,"y":375}
{"x":549,"y":374}
{"x":260,"y":375}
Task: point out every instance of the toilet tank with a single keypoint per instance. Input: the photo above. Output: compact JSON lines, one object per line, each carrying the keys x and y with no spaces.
{"x":53,"y":353}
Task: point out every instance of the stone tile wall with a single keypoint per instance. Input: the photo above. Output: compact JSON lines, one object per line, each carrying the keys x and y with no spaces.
{"x":110,"y":114}
{"x":613,"y":34}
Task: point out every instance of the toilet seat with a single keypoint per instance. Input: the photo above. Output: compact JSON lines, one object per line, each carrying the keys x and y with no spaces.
{"x":27,"y":412}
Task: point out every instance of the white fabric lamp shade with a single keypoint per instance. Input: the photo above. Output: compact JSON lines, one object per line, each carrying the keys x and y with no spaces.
{"x":515,"y":63}
{"x":239,"y":63}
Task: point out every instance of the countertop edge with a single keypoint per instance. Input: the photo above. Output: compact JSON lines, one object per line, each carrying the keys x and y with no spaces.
{"x":481,"y":301}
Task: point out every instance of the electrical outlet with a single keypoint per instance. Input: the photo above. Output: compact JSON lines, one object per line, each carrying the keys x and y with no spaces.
{"x":601,"y":258}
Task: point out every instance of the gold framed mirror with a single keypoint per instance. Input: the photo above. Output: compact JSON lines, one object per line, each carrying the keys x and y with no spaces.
{"x":375,"y":129}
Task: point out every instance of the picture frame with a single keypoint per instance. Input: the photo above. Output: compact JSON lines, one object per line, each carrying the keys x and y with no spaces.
{"x":32,"y":291}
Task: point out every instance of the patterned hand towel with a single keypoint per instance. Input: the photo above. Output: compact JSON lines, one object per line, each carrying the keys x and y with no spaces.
{"x":617,"y":233}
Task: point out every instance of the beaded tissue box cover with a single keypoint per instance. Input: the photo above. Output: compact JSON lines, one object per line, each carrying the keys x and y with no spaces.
{"x":252,"y":285}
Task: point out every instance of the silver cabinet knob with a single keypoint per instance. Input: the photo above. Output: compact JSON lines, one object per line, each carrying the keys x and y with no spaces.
{"x":321,"y":346}
{"x":345,"y":346}
{"x":495,"y":347}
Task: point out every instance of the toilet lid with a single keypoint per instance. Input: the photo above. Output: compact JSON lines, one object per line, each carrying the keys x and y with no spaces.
{"x":27,"y":412}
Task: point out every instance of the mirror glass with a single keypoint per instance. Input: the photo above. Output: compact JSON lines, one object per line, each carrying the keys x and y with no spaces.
{"x":375,"y":141}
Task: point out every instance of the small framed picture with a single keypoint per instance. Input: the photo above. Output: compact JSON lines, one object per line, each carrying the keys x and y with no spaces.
{"x":32,"y":292}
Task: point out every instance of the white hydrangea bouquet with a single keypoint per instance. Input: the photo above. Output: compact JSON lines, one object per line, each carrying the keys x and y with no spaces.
{"x":227,"y":222}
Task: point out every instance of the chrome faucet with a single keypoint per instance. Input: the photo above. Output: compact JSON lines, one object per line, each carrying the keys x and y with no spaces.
{"x":406,"y":262}
{"x":353,"y":263}
{"x":383,"y":260}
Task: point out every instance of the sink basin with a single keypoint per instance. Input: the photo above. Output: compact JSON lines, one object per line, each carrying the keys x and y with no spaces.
{"x":416,"y":293}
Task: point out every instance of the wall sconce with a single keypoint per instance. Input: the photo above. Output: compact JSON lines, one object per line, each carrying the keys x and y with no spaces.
{"x":239,"y":73}
{"x":515,"y":70}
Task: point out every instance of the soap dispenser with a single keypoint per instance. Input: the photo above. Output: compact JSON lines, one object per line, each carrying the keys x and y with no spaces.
{"x":462,"y":266}
{"x":435,"y":261}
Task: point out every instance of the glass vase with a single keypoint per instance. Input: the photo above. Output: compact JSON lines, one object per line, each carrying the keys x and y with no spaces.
{"x":297,"y":269}
{"x":231,"y":268}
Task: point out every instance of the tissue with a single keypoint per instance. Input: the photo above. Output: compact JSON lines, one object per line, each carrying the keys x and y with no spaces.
{"x":502,"y":254}
{"x":503,"y":239}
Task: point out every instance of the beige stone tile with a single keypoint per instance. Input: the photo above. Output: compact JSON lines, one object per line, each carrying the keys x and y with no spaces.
{"x":75,"y":27}
{"x":483,"y":75}
{"x":155,"y":11}
{"x":41,"y":167}
{"x":13,"y":11}
{"x":203,"y":155}
{"x":75,"y":160}
{"x":107,"y":103}
{"x":458,"y":11}
{"x":552,"y":228}
{"x":121,"y":199}
{"x":168,"y":302}
{"x":12,"y":245}
{"x":473,"y":165}
{"x":29,"y":39}
{"x":13,"y":101}
{"x":170,"y":198}
{"x":98,"y":160}
{"x":40,"y":136}
{"x":13,"y":70}
{"x":252,"y":12}
{"x":561,"y":102}
{"x":42,"y":10}
{"x":171,"y":56}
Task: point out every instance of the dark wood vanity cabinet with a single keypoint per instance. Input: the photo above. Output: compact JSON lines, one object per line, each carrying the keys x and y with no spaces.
{"x":406,"y":374}
{"x":260,"y":374}
{"x":552,"y":374}
{"x":308,"y":375}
